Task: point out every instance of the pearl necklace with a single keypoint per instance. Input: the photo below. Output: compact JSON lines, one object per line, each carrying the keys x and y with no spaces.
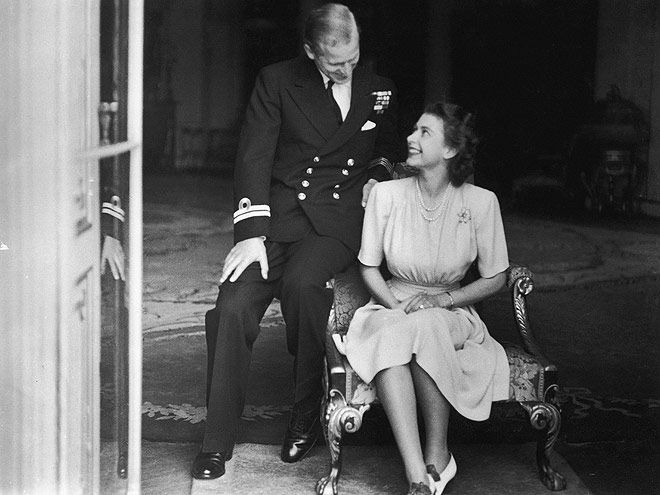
{"x":441,"y":205}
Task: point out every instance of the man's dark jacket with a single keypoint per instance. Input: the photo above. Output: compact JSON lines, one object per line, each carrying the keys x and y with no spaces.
{"x":295,"y":160}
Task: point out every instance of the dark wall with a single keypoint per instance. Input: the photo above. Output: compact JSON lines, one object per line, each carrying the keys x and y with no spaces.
{"x":527,"y":69}
{"x":271,"y":34}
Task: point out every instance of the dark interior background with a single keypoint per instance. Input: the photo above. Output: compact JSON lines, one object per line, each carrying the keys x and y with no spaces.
{"x":526,"y":67}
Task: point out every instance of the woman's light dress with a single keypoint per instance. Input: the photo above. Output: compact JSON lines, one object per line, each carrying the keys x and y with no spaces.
{"x":453,"y":346}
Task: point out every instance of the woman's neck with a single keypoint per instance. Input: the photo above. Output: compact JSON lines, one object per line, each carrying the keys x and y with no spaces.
{"x":433,"y":183}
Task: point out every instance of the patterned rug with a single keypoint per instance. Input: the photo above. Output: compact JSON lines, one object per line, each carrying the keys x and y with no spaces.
{"x":174,"y":384}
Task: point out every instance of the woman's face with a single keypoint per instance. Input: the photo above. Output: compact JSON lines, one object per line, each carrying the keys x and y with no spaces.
{"x":426,"y":144}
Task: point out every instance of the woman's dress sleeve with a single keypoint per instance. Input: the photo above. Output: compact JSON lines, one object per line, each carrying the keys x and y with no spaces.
{"x":492,"y":256}
{"x":373,"y":226}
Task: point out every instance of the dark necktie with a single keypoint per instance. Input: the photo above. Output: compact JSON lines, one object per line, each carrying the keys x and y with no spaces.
{"x":333,"y":102}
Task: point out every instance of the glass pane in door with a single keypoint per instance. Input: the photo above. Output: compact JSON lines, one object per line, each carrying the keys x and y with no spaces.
{"x":115,"y":218}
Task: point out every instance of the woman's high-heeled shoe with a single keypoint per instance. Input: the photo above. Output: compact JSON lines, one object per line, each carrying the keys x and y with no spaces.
{"x":443,"y":478}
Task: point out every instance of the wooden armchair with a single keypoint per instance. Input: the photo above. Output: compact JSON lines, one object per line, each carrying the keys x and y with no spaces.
{"x":532,"y":383}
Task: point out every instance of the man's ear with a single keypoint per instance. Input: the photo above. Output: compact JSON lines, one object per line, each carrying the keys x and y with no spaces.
{"x":309,"y":51}
{"x":449,"y":153}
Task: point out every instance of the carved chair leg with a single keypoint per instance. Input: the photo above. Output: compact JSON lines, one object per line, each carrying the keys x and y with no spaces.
{"x":339,"y":418}
{"x":545,"y":417}
{"x":332,"y":431}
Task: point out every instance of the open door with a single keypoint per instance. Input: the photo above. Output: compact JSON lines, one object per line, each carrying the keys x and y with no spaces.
{"x":50,"y":249}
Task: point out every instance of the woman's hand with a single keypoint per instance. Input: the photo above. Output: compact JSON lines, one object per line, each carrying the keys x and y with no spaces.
{"x":426,"y":301}
{"x":402,"y":305}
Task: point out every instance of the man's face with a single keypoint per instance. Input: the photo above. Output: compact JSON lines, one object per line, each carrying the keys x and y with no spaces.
{"x":336,"y":62}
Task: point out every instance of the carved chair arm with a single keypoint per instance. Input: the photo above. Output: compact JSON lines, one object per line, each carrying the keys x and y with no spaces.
{"x":520,"y":282}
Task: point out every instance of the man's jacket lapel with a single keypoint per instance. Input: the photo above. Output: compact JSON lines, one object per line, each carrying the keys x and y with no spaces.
{"x":309,"y":95}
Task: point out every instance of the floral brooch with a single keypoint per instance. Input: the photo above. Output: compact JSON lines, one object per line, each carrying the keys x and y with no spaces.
{"x":464,"y":216}
{"x":382,"y":100}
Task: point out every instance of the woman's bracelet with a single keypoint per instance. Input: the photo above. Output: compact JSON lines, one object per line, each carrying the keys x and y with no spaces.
{"x":451,"y":300}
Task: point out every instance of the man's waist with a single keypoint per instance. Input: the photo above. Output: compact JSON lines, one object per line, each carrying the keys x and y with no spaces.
{"x":346,"y":180}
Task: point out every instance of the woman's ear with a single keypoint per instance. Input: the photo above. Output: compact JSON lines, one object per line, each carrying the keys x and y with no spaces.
{"x":449,"y":153}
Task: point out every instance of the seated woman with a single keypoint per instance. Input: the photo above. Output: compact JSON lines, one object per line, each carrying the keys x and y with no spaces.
{"x":420,"y":338}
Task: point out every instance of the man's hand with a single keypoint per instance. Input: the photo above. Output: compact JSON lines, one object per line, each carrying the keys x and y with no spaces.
{"x":366,"y":190}
{"x":242,"y":255}
{"x":113,"y":254}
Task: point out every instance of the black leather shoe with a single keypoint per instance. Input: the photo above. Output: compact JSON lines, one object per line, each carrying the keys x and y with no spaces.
{"x":301,"y":435}
{"x":208,"y":465}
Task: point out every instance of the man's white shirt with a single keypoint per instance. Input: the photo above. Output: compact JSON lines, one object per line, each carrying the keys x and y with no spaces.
{"x":342,"y":94}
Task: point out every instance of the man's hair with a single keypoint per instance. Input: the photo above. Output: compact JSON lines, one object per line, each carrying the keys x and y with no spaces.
{"x":330,"y":24}
{"x":460,"y":135}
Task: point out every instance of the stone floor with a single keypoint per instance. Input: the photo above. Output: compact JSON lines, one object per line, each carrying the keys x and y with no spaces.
{"x":377,"y":470}
{"x":187,"y":229}
{"x":368,"y":470}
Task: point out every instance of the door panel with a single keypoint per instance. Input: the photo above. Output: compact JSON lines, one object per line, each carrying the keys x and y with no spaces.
{"x":78,"y":234}
{"x":49,"y":222}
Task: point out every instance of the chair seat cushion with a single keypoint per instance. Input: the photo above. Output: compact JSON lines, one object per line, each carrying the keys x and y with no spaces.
{"x":526,"y":379}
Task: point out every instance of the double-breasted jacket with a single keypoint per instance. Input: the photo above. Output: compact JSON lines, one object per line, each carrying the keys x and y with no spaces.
{"x":297,"y":166}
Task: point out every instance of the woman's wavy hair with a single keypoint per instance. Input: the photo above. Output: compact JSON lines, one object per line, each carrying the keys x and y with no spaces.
{"x":460,"y":135}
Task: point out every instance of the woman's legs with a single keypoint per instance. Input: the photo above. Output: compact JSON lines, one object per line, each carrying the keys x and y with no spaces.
{"x":397,"y":394}
{"x":435,"y":410}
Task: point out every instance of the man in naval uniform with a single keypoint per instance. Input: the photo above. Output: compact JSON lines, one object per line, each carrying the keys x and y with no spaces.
{"x":316,"y":130}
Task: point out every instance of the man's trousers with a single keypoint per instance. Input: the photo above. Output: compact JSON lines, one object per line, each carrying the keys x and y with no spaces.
{"x":298,"y":272}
